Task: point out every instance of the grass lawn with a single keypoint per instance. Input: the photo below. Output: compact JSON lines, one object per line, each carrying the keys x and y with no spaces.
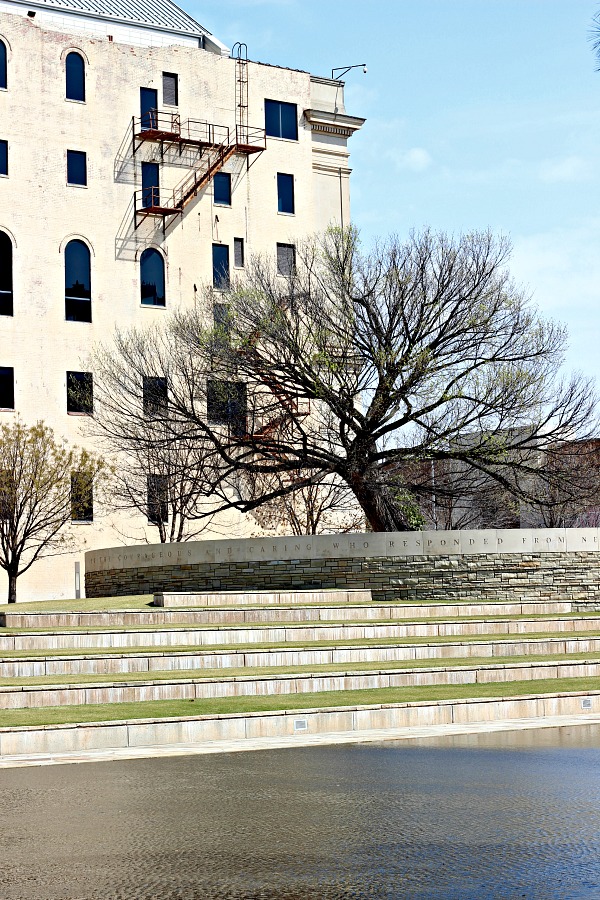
{"x":221,"y":706}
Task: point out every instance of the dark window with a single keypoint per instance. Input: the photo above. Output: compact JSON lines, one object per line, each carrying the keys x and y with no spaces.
{"x":76,"y":167}
{"x":75,"y":76}
{"x":82,"y":497}
{"x":170,"y":89}
{"x":238,"y":252}
{"x":226,"y":404}
{"x":152,"y":278}
{"x":148,"y":108}
{"x":150,"y":184}
{"x":222,"y":188}
{"x":80,"y":393}
{"x":6,"y":275}
{"x":8,"y":494}
{"x":78,"y":293}
{"x":3,"y":157}
{"x":220,"y":254}
{"x":281,"y":119}
{"x":154,"y":395}
{"x":7,"y":388}
{"x":158,"y":499}
{"x":285,"y":193}
{"x":286,"y":259}
{"x":3,"y":67}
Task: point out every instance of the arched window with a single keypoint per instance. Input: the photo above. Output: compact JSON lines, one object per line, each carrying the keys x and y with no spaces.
{"x":3,"y":73}
{"x":152,"y":278}
{"x":78,"y":292}
{"x":75,"y":75}
{"x":6,"y":275}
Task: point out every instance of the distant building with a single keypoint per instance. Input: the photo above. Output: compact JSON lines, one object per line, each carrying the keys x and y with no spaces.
{"x":139,"y":162}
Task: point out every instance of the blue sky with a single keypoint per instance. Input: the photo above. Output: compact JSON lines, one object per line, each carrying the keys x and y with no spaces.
{"x":479,"y":113}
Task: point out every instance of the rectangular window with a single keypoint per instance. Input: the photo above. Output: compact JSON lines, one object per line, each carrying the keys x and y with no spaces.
{"x":158,"y":499}
{"x":285,"y":193}
{"x":80,"y":393}
{"x":82,"y":497}
{"x":170,"y":89}
{"x":222,"y":188}
{"x":76,"y":167}
{"x":154,"y":396}
{"x":222,"y":323}
{"x":3,"y":157}
{"x":281,"y":119}
{"x":220,"y":258}
{"x":286,"y":259}
{"x":226,"y":404}
{"x":238,"y":253}
{"x":7,"y":388}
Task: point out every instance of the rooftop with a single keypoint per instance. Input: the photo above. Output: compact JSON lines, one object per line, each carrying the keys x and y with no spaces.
{"x":162,"y":14}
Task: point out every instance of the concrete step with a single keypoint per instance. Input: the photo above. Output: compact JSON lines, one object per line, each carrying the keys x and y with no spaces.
{"x":269,"y":598}
{"x":289,"y":657}
{"x":211,"y":636}
{"x":233,"y":615}
{"x":33,"y":696}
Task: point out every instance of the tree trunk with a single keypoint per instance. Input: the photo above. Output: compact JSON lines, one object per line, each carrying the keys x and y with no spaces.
{"x":382,"y":510}
{"x":12,"y":588}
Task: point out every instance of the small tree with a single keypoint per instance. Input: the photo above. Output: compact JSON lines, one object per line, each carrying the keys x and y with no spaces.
{"x":43,"y":486}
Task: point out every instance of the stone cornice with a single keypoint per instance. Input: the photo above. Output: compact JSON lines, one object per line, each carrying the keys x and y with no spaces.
{"x":324,"y":122}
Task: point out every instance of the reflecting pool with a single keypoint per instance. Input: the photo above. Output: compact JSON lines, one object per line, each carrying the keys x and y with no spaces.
{"x":515,"y":815}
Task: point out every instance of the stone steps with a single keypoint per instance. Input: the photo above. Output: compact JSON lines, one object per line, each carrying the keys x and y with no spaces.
{"x":270,"y":598}
{"x":288,"y":657}
{"x":214,"y":636}
{"x":268,"y":614}
{"x":29,"y":696}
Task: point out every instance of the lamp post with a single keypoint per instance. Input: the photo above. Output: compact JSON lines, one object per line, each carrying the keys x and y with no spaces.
{"x":344,"y":69}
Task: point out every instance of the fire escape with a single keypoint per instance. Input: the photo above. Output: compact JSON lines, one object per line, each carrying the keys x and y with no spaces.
{"x":215,"y":144}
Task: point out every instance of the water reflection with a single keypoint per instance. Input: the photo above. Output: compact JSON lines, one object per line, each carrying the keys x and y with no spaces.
{"x":498,"y":816}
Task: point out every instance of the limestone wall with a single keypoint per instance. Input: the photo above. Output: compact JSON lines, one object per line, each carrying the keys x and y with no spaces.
{"x":529,"y":564}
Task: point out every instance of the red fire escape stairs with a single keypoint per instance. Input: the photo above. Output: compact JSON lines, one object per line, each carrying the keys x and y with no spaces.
{"x":216,"y":145}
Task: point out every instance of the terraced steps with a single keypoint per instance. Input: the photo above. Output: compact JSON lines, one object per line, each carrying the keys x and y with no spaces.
{"x":141,"y":660}
{"x":27,"y":695}
{"x":283,"y":613}
{"x":282,"y":645}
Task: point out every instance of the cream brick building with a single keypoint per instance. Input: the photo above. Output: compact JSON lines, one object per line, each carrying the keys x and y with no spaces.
{"x":105,"y":110}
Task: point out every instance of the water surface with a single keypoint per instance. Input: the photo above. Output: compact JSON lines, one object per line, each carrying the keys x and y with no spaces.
{"x":515,"y":815}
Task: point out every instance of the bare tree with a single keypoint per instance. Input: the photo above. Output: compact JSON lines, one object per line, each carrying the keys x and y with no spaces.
{"x":43,"y":486}
{"x":365,"y":366}
{"x":319,"y":505}
{"x":161,"y":468}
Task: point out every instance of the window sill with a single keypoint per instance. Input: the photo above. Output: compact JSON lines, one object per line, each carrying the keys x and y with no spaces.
{"x":222,"y":205}
{"x":82,"y":521}
{"x":70,"y":100}
{"x":274,"y":137}
{"x":3,"y":174}
{"x":7,"y":409}
{"x":153,"y":306}
{"x":72,"y":413}
{"x":72,"y":184}
{"x":279,"y":213}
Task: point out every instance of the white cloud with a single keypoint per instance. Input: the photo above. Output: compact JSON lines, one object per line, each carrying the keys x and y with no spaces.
{"x":571,"y":168}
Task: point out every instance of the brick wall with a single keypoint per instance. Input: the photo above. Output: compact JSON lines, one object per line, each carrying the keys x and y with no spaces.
{"x":501,"y":576}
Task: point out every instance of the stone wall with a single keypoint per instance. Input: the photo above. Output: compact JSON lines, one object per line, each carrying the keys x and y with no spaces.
{"x":547,"y":573}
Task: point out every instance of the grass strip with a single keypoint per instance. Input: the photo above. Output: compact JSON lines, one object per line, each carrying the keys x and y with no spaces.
{"x":54,"y":715}
{"x":319,"y":669}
